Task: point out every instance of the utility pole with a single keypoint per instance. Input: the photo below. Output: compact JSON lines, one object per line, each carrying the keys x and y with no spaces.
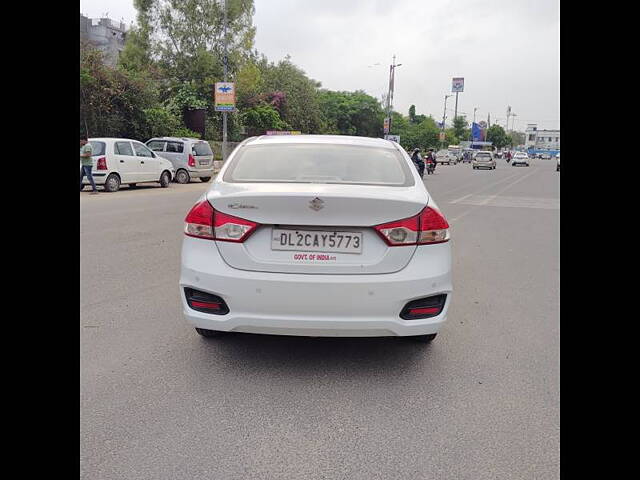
{"x":444,"y":117}
{"x":455,"y":111}
{"x":225,"y":61}
{"x":392,"y":74}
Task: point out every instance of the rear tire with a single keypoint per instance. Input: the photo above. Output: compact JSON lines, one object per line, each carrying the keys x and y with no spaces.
{"x":112,"y":183}
{"x":165,"y":179}
{"x":182,"y":176}
{"x":205,"y":179}
{"x":424,"y":338}
{"x":208,"y":333}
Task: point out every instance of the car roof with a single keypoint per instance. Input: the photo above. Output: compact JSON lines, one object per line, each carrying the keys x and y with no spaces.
{"x":322,"y":139}
{"x":177,"y":139}
{"x":112,"y":139}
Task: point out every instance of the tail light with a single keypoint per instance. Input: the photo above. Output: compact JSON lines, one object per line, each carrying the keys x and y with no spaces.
{"x":192,"y":161}
{"x":205,"y":302}
{"x":424,"y":307}
{"x":102,"y":163}
{"x":428,"y":227}
{"x":203,"y":221}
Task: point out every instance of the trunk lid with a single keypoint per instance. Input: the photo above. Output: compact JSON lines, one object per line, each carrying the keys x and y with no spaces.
{"x":310,"y":209}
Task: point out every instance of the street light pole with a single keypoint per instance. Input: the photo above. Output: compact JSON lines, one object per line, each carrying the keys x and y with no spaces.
{"x":474,"y":121}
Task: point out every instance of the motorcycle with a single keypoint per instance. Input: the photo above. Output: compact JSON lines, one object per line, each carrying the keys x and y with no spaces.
{"x":431,"y":167}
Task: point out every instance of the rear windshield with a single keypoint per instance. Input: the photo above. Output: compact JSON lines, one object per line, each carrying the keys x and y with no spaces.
{"x":481,"y":154}
{"x":319,"y":163}
{"x":201,"y":149}
{"x":97,"y":147}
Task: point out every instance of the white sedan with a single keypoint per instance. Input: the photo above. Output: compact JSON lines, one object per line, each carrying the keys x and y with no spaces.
{"x":317,"y":235}
{"x":520,"y":158}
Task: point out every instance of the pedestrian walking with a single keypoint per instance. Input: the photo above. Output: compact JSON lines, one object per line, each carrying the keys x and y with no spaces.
{"x":86,"y":151}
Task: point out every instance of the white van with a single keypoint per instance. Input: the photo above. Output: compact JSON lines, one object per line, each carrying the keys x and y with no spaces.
{"x":122,"y":160}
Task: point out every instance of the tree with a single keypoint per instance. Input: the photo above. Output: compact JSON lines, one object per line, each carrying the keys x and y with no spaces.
{"x":299,"y":106}
{"x":497,"y":135}
{"x":412,"y":114}
{"x":350,"y":113}
{"x":261,"y":118}
{"x":460,"y":127}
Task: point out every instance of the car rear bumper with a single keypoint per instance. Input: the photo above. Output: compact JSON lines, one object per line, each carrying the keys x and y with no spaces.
{"x":315,"y":304}
{"x":193,"y":173}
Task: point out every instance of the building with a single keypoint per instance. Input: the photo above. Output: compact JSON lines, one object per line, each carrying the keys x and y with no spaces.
{"x":105,"y":35}
{"x":541,"y":139}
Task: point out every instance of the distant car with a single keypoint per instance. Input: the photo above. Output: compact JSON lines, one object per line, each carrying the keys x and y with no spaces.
{"x":558,"y":162}
{"x":445,"y":156}
{"x":520,"y":158}
{"x":483,"y":160}
{"x":191,"y":157}
{"x":498,"y":154}
{"x":122,"y":160}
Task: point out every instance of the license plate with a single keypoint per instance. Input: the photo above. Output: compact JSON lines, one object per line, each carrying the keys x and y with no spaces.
{"x":332,"y":241}
{"x":204,"y":162}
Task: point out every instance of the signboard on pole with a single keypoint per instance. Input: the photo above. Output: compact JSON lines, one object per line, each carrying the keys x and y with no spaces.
{"x":225,"y":97}
{"x":386,"y":125}
{"x":393,"y":138}
{"x":442,"y":136}
{"x":457,"y":85}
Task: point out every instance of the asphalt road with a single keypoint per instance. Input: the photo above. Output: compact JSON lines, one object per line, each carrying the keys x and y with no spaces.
{"x":481,"y":402}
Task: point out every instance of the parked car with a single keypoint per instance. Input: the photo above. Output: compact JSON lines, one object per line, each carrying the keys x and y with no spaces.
{"x":483,"y":159}
{"x":445,"y":156}
{"x":191,"y":157}
{"x":520,"y":158}
{"x":558,"y":163}
{"x":317,"y":235}
{"x":118,"y":161}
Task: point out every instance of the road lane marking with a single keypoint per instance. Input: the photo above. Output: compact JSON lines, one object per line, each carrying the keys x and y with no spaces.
{"x":462,"y":187}
{"x":517,"y":202}
{"x":464,"y":214}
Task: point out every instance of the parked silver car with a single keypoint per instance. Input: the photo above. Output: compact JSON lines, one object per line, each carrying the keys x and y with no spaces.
{"x":191,"y":157}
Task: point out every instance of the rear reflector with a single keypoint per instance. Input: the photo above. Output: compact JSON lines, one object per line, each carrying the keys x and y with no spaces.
{"x":102,"y":164}
{"x":423,"y":311}
{"x":424,"y":307}
{"x":428,"y":227}
{"x":205,"y":302}
{"x":207,"y":305}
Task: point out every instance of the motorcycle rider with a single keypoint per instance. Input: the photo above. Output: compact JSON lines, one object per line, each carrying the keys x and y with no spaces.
{"x":417,"y":161}
{"x":432,"y":157}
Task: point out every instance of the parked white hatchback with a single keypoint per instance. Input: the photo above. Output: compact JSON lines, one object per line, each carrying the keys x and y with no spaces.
{"x":118,"y":161}
{"x":317,"y":235}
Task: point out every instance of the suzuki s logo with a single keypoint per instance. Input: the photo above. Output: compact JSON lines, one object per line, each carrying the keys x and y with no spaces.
{"x":316,"y":204}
